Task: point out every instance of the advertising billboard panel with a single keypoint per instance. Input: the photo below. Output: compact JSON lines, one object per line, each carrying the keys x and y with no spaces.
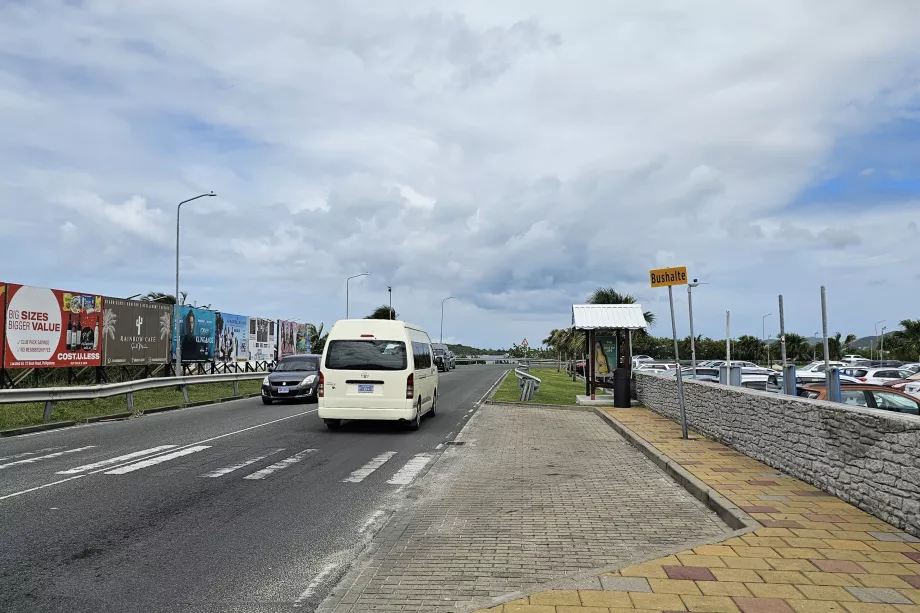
{"x":287,"y":338}
{"x":303,"y":338}
{"x":261,"y":339}
{"x":196,"y":333}
{"x":232,"y":338}
{"x":2,"y":323}
{"x":605,"y":355}
{"x":135,"y":332}
{"x":49,"y":328}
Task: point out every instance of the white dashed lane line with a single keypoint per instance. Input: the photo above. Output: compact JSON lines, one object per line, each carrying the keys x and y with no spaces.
{"x":130,"y":468}
{"x":294,"y":459}
{"x":56,"y":454}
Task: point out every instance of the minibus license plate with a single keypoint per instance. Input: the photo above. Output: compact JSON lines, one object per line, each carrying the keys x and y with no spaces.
{"x":365,"y":388}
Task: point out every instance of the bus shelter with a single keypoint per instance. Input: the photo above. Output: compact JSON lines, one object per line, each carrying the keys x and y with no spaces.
{"x":608,"y":332}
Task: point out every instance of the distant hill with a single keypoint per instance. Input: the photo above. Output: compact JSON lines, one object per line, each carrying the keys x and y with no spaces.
{"x":466,"y":350}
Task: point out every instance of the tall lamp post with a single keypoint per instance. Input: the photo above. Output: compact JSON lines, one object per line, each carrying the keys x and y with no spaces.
{"x":442,"y":316}
{"x":690,"y":287}
{"x":178,"y":367}
{"x":881,"y":321}
{"x":763,"y":332}
{"x":881,"y":353}
{"x":363,"y":274}
{"x":390,"y":291}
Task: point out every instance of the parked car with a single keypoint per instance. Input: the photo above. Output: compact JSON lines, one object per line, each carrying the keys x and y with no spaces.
{"x":913,"y":366}
{"x":762,"y":382}
{"x":852,"y":357}
{"x":377,"y":369}
{"x":740,"y":363}
{"x":641,"y":358}
{"x":867,"y":395}
{"x":295,"y":377}
{"x":441,"y":356}
{"x":912,"y":389}
{"x":649,"y":366}
{"x":875,"y":376}
{"x":818,"y":366}
{"x":813,"y":377}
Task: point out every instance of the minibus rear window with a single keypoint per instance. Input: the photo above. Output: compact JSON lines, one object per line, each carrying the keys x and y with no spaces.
{"x":366,"y":354}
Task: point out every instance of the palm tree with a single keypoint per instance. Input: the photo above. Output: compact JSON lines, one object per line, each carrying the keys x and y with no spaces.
{"x":908,"y":340}
{"x":849,"y":340}
{"x":317,"y":338}
{"x":383,"y":312}
{"x":797,"y":347}
{"x":152,"y":296}
{"x":608,"y":295}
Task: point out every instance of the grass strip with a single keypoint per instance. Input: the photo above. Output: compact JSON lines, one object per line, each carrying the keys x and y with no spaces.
{"x":555,"y":388}
{"x":30,"y":413}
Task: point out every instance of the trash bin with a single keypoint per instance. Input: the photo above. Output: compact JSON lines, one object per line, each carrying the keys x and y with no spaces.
{"x":621,"y":388}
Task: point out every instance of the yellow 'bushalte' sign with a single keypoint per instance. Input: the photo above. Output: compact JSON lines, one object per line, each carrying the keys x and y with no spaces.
{"x":663,"y":277}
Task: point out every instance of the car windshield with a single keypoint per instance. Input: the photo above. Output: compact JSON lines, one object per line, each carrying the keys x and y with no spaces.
{"x":366,"y":354}
{"x":297,"y":364}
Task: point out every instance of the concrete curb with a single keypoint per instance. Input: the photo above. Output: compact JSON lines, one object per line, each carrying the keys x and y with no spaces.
{"x":561,"y":407}
{"x":117,"y":416}
{"x":721,"y":506}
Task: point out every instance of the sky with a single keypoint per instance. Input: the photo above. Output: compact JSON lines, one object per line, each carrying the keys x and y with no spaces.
{"x":514,"y":154}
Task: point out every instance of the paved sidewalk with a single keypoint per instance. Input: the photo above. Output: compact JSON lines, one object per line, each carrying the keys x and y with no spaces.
{"x":815,"y":553}
{"x":531,"y":495}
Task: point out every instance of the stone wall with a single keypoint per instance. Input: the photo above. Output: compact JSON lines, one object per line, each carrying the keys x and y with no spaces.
{"x":869,"y":458}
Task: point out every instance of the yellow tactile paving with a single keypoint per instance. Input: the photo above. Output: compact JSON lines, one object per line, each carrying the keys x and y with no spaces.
{"x":814,"y":554}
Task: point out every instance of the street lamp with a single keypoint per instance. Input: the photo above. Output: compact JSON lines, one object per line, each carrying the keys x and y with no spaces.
{"x":442,"y":316}
{"x":763,"y":331}
{"x":178,"y":368}
{"x":881,"y":321}
{"x":882,"y":348}
{"x":390,"y":291}
{"x":690,"y":287}
{"x":814,"y":348}
{"x":363,"y":274}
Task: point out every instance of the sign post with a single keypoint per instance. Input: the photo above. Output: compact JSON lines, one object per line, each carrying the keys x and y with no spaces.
{"x":669,"y":277}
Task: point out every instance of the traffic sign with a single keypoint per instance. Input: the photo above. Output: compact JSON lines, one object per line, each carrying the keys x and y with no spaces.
{"x":662,"y":277}
{"x":524,"y":343}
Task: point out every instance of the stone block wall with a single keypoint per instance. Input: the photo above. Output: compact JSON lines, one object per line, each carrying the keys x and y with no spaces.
{"x":867,"y":457}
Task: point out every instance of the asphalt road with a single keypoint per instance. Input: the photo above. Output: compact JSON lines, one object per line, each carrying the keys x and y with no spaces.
{"x":225,"y":508}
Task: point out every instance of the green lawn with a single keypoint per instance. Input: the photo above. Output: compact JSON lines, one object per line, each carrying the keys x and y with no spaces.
{"x":555,"y":388}
{"x":28,"y":414}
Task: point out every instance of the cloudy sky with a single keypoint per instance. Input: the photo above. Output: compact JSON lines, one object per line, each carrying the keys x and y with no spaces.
{"x":514,"y":154}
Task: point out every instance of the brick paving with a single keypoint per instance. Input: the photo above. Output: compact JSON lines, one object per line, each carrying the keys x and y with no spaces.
{"x":815,"y":553}
{"x":531,"y":496}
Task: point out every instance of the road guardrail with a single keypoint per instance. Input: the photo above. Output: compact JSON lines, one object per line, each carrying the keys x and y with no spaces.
{"x":527,"y":382}
{"x":50,"y":395}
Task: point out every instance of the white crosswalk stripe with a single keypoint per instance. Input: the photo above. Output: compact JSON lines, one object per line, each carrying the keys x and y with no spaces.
{"x":359,"y":475}
{"x":118,"y":460}
{"x":268,"y":470}
{"x":121,"y":470}
{"x":226,"y":470}
{"x":56,"y":454}
{"x":25,"y":453}
{"x":407,"y":473}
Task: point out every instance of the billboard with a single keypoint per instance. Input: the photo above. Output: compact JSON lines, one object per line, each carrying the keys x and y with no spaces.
{"x":196,"y":333}
{"x":2,"y":324}
{"x":136,"y":332}
{"x":302,"y":344}
{"x":287,"y":338}
{"x":49,"y":328}
{"x":232,"y":338}
{"x":261,"y":339}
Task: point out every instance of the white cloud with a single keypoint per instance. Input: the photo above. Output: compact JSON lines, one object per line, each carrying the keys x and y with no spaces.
{"x":516,"y":154}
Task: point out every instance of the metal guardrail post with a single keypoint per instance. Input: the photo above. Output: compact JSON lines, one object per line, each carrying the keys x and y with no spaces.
{"x":236,"y":388}
{"x":49,"y":406}
{"x":185,"y":392}
{"x":129,"y":397}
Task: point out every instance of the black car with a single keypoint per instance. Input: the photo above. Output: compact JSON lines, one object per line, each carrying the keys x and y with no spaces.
{"x":293,"y":377}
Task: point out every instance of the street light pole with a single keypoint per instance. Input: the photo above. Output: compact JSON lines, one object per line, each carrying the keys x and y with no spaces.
{"x":178,"y":366}
{"x":881,"y":352}
{"x":690,"y":287}
{"x":363,"y":274}
{"x":442,"y":317}
{"x":872,"y":346}
{"x":390,"y":290}
{"x":763,"y":332}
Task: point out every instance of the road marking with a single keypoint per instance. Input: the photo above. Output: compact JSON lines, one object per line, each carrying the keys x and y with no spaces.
{"x":407,"y":473}
{"x":268,"y":470}
{"x":365,"y":471}
{"x":110,"y":461}
{"x":56,"y":454}
{"x":130,"y":468}
{"x":317,"y":581}
{"x":25,"y":453}
{"x":220,"y":472}
{"x":439,"y":445}
{"x":370,"y":521}
{"x":213,"y":438}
